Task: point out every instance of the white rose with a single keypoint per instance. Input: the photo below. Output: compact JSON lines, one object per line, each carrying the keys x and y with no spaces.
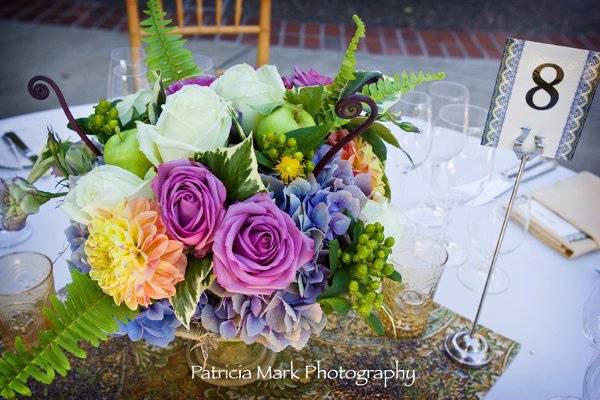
{"x":251,"y":91}
{"x":102,"y":188}
{"x":192,"y":120}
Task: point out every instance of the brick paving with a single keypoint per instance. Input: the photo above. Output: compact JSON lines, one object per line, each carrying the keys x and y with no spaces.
{"x":309,"y":35}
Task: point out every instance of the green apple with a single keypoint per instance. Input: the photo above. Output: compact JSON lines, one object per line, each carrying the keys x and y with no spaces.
{"x":123,"y":150}
{"x":283,"y":119}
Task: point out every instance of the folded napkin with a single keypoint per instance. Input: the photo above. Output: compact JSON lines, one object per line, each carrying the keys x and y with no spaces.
{"x":566,"y":215}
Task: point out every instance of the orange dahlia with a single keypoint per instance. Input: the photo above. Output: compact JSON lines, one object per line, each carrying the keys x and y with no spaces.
{"x":130,"y":255}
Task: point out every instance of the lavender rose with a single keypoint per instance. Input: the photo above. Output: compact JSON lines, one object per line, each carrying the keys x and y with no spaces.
{"x":258,"y":248}
{"x":203,"y":80}
{"x":305,"y":78}
{"x":192,"y":202}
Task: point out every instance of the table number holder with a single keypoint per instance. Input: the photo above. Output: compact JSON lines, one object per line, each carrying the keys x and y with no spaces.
{"x":467,"y":347}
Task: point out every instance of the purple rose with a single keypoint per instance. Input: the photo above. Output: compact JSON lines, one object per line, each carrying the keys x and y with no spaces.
{"x":305,"y":78}
{"x":258,"y":248}
{"x":204,"y":80}
{"x":192,"y":202}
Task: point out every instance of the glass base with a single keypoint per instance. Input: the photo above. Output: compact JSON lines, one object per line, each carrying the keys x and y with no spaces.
{"x":229,"y":362}
{"x":474,"y":279}
{"x":14,"y":238}
{"x":457,"y":254}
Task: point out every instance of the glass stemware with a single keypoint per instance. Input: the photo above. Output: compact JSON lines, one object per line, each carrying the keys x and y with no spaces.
{"x":591,"y":317}
{"x":484,"y":225}
{"x":126,"y":72}
{"x":457,"y":173}
{"x":205,"y":63}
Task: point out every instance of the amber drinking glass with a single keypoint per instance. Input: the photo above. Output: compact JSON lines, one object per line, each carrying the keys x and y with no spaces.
{"x":26,"y":283}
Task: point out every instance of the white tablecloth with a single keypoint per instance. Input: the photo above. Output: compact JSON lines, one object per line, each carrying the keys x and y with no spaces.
{"x":542,"y":309}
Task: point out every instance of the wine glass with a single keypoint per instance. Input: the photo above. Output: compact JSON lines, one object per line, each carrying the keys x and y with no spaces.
{"x":484,"y":223}
{"x":591,"y":317}
{"x":457,"y":173}
{"x":443,"y":93}
{"x":205,"y":64}
{"x":126,"y":58}
{"x":591,"y":382}
{"x":126,"y":80}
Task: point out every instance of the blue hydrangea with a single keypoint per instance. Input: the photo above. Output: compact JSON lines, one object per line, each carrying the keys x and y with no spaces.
{"x":155,"y":324}
{"x":77,"y":234}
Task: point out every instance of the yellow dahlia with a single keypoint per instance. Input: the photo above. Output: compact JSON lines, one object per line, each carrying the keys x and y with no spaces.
{"x":130,"y":255}
{"x":289,"y":168}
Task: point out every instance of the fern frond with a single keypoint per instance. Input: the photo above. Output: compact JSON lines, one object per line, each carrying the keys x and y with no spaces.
{"x":386,"y":91}
{"x":165,"y":49}
{"x":348,"y":66}
{"x":88,"y":315}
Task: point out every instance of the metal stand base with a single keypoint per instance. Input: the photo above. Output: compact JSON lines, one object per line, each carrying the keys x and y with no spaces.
{"x":472,"y":351}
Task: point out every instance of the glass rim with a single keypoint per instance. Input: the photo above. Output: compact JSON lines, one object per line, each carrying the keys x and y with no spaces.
{"x":432,"y":85}
{"x":418,"y":93}
{"x":42,"y":281}
{"x":445,"y":257}
{"x":468,"y":107}
{"x":127,"y":50}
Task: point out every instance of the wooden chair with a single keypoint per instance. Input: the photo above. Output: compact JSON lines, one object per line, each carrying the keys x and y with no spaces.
{"x":263,"y":29}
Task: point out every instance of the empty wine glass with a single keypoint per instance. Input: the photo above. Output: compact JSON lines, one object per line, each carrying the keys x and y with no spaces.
{"x":127,"y":59}
{"x":459,"y":175}
{"x":483,"y":228}
{"x":127,"y":80}
{"x":445,"y":92}
{"x":205,"y":64}
{"x":591,"y":317}
{"x":591,"y":382}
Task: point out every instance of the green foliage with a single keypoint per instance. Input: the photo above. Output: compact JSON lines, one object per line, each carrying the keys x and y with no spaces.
{"x":339,"y":284}
{"x":165,"y":49}
{"x":375,"y":323}
{"x":387,"y":91}
{"x":187,"y":292}
{"x":310,"y":97}
{"x":87,"y":315}
{"x":344,"y":77}
{"x":104,"y":122}
{"x":339,"y":305}
{"x":236,"y":167}
{"x":309,"y":138}
{"x":334,"y":255}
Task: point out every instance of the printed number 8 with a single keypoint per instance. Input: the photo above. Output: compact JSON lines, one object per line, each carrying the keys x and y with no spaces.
{"x":548,"y":87}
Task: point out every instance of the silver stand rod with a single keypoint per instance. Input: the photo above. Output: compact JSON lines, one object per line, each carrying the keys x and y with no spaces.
{"x":509,"y":207}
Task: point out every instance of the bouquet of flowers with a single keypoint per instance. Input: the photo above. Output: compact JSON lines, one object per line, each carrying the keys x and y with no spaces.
{"x":237,"y":202}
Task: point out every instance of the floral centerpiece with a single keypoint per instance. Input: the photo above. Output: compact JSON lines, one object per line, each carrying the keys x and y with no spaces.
{"x":236,"y":202}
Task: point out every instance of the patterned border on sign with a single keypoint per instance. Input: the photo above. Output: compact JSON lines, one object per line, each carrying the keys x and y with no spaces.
{"x":502,"y":91}
{"x":579,"y":108}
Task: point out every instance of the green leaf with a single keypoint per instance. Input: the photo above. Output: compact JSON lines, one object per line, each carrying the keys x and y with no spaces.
{"x":236,"y":167}
{"x":165,"y":49}
{"x":375,"y":323}
{"x":339,"y":284}
{"x":356,"y":227}
{"x":133,"y":105}
{"x":334,"y":255}
{"x":376,"y":143}
{"x":310,"y":97}
{"x":81,"y":122}
{"x":387,"y":190}
{"x":88,"y":315}
{"x":395,"y":276}
{"x":381,"y":130}
{"x":386,"y":91}
{"x":361,"y":78}
{"x":337,"y":304}
{"x":157,"y":100}
{"x":188,"y":292}
{"x":263,"y":160}
{"x":309,"y":138}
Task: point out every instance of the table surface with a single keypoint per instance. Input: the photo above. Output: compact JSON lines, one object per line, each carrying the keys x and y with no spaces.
{"x":542,"y":308}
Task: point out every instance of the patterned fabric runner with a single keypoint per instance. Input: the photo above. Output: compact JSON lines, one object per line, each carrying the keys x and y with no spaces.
{"x":121,"y":369}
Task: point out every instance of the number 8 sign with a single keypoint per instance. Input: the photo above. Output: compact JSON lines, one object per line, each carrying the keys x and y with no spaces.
{"x":545,"y":88}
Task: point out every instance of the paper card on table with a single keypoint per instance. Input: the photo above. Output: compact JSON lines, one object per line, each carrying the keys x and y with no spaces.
{"x":545,"y":88}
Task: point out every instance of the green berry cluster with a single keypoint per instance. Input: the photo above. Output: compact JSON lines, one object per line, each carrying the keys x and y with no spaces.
{"x":367,"y":260}
{"x":104,"y":122}
{"x":275,"y":146}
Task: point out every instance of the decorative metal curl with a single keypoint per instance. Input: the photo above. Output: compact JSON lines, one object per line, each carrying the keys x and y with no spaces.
{"x":349,"y":107}
{"x":40,"y":91}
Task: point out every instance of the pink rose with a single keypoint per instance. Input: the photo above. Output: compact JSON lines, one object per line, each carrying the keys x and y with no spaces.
{"x":258,"y":248}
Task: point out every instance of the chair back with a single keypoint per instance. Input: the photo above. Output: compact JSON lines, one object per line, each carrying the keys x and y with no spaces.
{"x":262,"y":29}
